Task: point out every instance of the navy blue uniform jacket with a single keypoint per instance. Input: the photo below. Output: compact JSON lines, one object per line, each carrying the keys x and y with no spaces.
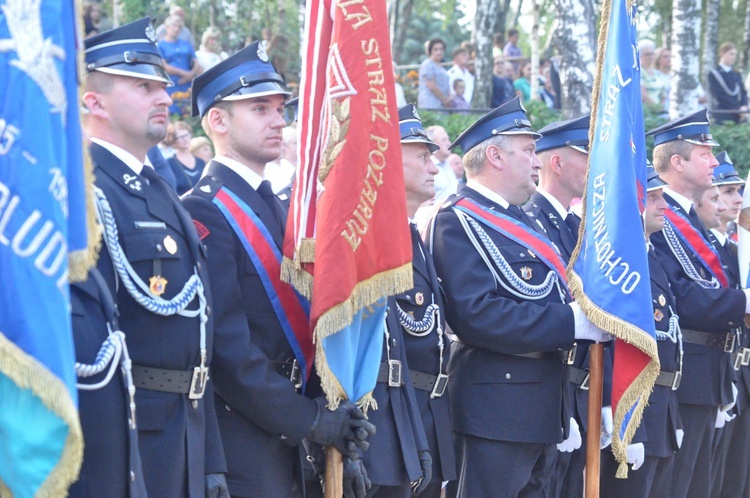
{"x":179,"y":443}
{"x":262,"y":417}
{"x":496,"y":395}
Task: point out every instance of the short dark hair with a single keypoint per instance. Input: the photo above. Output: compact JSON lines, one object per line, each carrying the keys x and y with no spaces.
{"x":459,"y":50}
{"x":512,"y":32}
{"x":430,"y":44}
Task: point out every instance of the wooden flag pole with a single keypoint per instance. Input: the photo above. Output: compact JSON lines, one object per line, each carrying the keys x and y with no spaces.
{"x":596,"y":367}
{"x":335,"y":473}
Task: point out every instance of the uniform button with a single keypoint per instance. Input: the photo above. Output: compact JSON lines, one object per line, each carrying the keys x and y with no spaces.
{"x":507,"y":376}
{"x":228,"y":408}
{"x":132,"y":476}
{"x":283,"y":437}
{"x":158,"y":247}
{"x":198,"y":264}
{"x":394,"y":343}
{"x":195,"y":404}
{"x":731,"y":323}
{"x":208,"y":310}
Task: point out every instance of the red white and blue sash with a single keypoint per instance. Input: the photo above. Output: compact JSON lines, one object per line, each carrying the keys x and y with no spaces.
{"x":697,"y":244}
{"x":518,"y":232}
{"x":291,"y":308}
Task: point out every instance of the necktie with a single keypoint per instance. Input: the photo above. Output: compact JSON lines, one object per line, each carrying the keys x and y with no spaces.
{"x":151,"y":176}
{"x":573,"y":222}
{"x":266,"y":192}
{"x":519,"y":214}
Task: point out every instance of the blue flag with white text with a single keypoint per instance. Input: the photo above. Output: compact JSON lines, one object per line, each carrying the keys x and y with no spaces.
{"x":42,"y":219}
{"x":609,"y":272}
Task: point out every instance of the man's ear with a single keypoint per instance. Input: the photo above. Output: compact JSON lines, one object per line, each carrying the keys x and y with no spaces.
{"x":218,"y":120}
{"x":95,"y":103}
{"x":676,"y":162}
{"x":495,"y":156}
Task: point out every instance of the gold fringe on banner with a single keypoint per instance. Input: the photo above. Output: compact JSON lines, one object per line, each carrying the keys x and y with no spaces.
{"x":641,"y":388}
{"x":365,"y":293}
{"x":297,"y":277}
{"x":29,"y":374}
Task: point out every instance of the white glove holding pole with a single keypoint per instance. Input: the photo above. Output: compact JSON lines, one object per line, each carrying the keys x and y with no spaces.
{"x":606,"y":437}
{"x":636,"y":455}
{"x":584,"y":329}
{"x":573,"y":442}
{"x":720,"y":420}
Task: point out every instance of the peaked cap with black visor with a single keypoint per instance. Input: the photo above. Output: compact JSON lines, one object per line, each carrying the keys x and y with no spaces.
{"x":246,"y":74}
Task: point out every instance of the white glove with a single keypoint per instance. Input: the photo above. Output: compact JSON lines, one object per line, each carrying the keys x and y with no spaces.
{"x":720,"y":421}
{"x":574,"y":438}
{"x":636,"y":455}
{"x":586,"y":330}
{"x":606,"y":438}
{"x":728,"y":417}
{"x":679,"y":434}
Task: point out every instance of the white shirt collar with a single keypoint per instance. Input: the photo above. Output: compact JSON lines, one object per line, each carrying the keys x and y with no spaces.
{"x":683,"y":201}
{"x":251,"y":177}
{"x":496,"y":198}
{"x":721,"y":237}
{"x":555,"y":203}
{"x":129,"y":159}
{"x":725,"y":68}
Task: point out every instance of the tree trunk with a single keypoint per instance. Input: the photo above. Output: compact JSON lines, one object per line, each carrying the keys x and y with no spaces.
{"x":710,"y":38}
{"x":535,"y":51}
{"x":393,"y":7}
{"x":686,"y":19}
{"x":502,"y":18}
{"x":666,"y":40}
{"x":484,"y":28}
{"x":745,"y":60}
{"x":518,"y":13}
{"x":575,"y":39}
{"x":404,"y":17}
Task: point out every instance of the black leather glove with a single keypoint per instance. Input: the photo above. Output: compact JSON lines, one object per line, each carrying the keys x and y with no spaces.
{"x":216,"y":486}
{"x":356,"y":482}
{"x":344,"y":428}
{"x":425,"y":463}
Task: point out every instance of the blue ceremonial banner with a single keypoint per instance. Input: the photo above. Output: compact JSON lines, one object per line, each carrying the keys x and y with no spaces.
{"x":42,"y":218}
{"x":609,"y":273}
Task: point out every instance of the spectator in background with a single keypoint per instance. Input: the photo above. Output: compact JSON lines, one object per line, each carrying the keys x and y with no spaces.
{"x":460,"y":71}
{"x":726,"y":88}
{"x":400,"y":96}
{"x":202,"y":148}
{"x":457,"y":165}
{"x":281,"y":171}
{"x":457,"y":100}
{"x":185,"y":33}
{"x":92,"y":15}
{"x":446,"y":182}
{"x":522,"y":84}
{"x":511,"y":50}
{"x":663,"y":67}
{"x":498,"y":41}
{"x":165,"y":146}
{"x":434,"y":85}
{"x":653,"y":89}
{"x":547,"y":90}
{"x":181,"y":64}
{"x":210,"y":52}
{"x":187,"y":168}
{"x":502,"y":82}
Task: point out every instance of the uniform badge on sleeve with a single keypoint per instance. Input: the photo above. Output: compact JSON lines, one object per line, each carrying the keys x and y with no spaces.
{"x":658,"y":315}
{"x":662,"y":300}
{"x":419,"y":299}
{"x":170,"y":245}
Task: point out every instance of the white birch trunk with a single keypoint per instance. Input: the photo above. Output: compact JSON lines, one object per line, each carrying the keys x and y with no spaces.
{"x":686,"y":33}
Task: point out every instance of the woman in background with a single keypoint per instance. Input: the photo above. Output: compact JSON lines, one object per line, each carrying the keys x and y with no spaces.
{"x":186,"y":167}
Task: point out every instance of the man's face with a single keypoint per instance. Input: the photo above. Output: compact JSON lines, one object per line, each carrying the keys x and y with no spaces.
{"x":440,"y":137}
{"x":520,"y":169}
{"x":654,"y":213}
{"x":510,"y":71}
{"x":437,"y":52}
{"x":573,"y":164}
{"x":461,"y":59}
{"x":730,"y":196}
{"x":698,"y":169}
{"x":498,"y":67}
{"x":137,"y":111}
{"x":710,"y":208}
{"x":419,"y":172}
{"x":255,"y":128}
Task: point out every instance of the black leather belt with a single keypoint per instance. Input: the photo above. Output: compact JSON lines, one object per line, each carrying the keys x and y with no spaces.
{"x":669,"y":379}
{"x":290,"y":370}
{"x":434,"y":384}
{"x":543,"y":355}
{"x":723,"y":342}
{"x":578,"y":377}
{"x":191,"y":382}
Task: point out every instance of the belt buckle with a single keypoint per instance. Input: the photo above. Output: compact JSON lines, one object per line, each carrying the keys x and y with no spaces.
{"x":676,"y":380}
{"x":394,"y":373}
{"x":571,"y":356}
{"x":296,"y":375}
{"x":729,"y":342}
{"x":198,"y":382}
{"x":585,"y":382}
{"x":737,"y":360}
{"x":440,"y":384}
{"x":745,"y":357}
